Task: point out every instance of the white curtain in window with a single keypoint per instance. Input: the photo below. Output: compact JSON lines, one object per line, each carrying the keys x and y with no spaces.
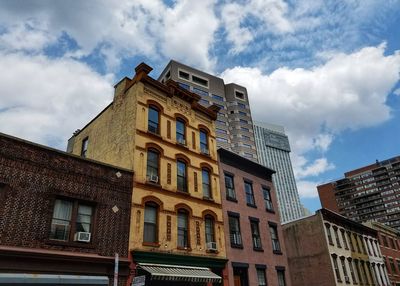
{"x":62,"y":211}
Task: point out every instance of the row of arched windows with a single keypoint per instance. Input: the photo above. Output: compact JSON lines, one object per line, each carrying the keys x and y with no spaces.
{"x":151,"y":226}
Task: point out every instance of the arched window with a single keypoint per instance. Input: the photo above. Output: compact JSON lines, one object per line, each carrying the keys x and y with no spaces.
{"x":204,"y":142}
{"x":206,"y":183}
{"x":150,"y":232}
{"x":180,"y":131}
{"x":209,"y":225}
{"x":153,"y":161}
{"x":181,"y":176}
{"x":154,"y":120}
{"x":183,"y":228}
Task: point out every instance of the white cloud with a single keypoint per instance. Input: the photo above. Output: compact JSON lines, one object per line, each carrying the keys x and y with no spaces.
{"x":44,"y":100}
{"x":349,"y":91}
{"x":119,"y":29}
{"x":397,"y":92}
{"x":307,"y":189}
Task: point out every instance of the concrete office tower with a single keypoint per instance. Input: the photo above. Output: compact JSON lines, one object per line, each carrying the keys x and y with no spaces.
{"x":368,"y":193}
{"x":273,"y":152}
{"x":234,"y":126}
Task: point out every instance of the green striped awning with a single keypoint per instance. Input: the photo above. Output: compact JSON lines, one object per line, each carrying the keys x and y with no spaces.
{"x":180,"y":273}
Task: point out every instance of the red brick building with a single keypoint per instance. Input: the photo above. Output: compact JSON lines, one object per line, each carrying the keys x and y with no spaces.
{"x":61,"y":215}
{"x":254,"y":241}
{"x":389,"y":243}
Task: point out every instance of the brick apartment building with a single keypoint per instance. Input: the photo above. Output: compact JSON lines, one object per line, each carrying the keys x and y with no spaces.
{"x":328,"y":249}
{"x":62,"y":217}
{"x":255,"y":246}
{"x":368,"y":193}
{"x":389,"y":243}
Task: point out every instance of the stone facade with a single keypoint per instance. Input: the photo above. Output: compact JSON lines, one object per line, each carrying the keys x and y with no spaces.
{"x":32,"y":178}
{"x":125,"y":133}
{"x":247,"y":257}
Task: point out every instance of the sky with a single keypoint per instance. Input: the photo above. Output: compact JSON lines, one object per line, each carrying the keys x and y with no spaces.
{"x":328,"y":71}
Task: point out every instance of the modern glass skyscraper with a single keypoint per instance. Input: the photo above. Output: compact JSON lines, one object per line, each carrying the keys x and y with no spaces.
{"x":274,"y":152}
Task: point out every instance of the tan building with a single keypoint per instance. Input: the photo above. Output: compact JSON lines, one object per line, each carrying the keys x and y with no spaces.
{"x":162,"y":133}
{"x":328,"y":249}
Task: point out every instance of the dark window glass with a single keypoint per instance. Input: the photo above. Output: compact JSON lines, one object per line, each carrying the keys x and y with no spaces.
{"x":329,"y":234}
{"x":337,"y":237}
{"x":153,"y":123}
{"x":184,"y":75}
{"x":234,"y":231}
{"x":230,"y":187}
{"x":262,"y":280}
{"x":150,"y":224}
{"x":183,"y":235}
{"x":180,"y":131}
{"x":242,"y":113}
{"x":241,"y":105}
{"x":267,"y":199}
{"x":343,"y":262}
{"x":152,"y":165}
{"x":200,"y":91}
{"x":281,"y":278}
{"x":181,"y":176}
{"x":199,"y":80}
{"x":249,"y":193}
{"x":217,"y":97}
{"x":206,"y":183}
{"x":344,"y":239}
{"x":209,"y":225}
{"x":84,"y":218}
{"x":184,"y":86}
{"x":239,"y":94}
{"x":255,"y":234}
{"x":336,"y":266}
{"x":204,"y":142}
{"x":85,"y":144}
{"x":274,"y":237}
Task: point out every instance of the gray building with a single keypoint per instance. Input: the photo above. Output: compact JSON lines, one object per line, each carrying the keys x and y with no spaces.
{"x":274,"y":152}
{"x":234,"y":126}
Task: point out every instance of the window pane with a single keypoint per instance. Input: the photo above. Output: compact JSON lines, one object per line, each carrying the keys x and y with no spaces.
{"x":261,"y":277}
{"x":234,"y":231}
{"x":206,"y":183}
{"x":150,"y":214}
{"x":209,"y":225}
{"x":181,"y":176}
{"x":249,"y":193}
{"x":84,"y":218}
{"x":281,"y":278}
{"x":150,"y":224}
{"x":180,"y":130}
{"x":60,"y":225}
{"x":182,"y":229}
{"x":230,"y":190}
{"x":153,"y":119}
{"x":203,"y":140}
{"x":152,"y":163}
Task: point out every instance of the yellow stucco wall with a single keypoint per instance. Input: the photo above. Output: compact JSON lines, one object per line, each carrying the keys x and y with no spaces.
{"x":119,"y":136}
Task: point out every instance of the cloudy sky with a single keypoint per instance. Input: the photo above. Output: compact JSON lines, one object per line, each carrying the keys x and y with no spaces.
{"x":326,"y":70}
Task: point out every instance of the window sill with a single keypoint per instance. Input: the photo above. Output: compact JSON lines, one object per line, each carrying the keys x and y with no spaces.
{"x":252,"y":206}
{"x":270,"y":211}
{"x":208,"y":199}
{"x":239,"y":246}
{"x":231,"y":199}
{"x":258,"y":249}
{"x":152,"y":244}
{"x":185,"y":146}
{"x":212,"y":251}
{"x":184,"y":248}
{"x":183,"y":193}
{"x":277,"y":252}
{"x":157,"y":185}
{"x":76,"y":244}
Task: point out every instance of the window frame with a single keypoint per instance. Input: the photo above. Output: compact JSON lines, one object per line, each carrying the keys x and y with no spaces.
{"x":156,"y":109}
{"x":157,"y":168}
{"x":235,"y":235}
{"x":232,"y":196}
{"x":156,"y":228}
{"x":211,"y":228}
{"x":186,"y":229}
{"x":264,"y":275}
{"x":206,"y":186}
{"x":255,"y":234}
{"x":249,"y":193}
{"x":73,"y":221}
{"x":269,"y":206}
{"x":84,"y":147}
{"x":180,"y":137}
{"x":184,"y":178}
{"x":282,"y":273}
{"x":273,"y":231}
{"x":204,"y":146}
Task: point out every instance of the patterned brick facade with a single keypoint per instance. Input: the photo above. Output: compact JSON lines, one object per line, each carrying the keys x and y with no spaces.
{"x":32,"y":177}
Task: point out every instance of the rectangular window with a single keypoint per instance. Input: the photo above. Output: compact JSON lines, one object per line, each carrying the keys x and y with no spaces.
{"x":183,"y":238}
{"x":384,"y":239}
{"x":200,"y":81}
{"x":184,"y":85}
{"x":206,"y":183}
{"x":241,"y":105}
{"x":281,"y":278}
{"x":220,"y":139}
{"x":221,"y":122}
{"x":392,"y":266}
{"x":239,"y":95}
{"x":249,"y":193}
{"x":247,"y":146}
{"x":72,"y":221}
{"x":335,"y":230}
{"x":152,"y":165}
{"x":350,"y":241}
{"x":353,"y":276}
{"x":181,"y":176}
{"x":255,"y":234}
{"x":153,"y":120}
{"x":200,"y":91}
{"x":344,"y":239}
{"x":267,"y":199}
{"x":230,"y":187}
{"x":234,"y":232}
{"x":276,"y":247}
{"x":217,"y":97}
{"x":184,"y":75}
{"x":220,"y":106}
{"x":219,"y":130}
{"x":180,"y":131}
{"x":243,"y":121}
{"x":204,"y":142}
{"x":262,"y":280}
{"x":245,"y":129}
{"x":204,"y":102}
{"x":242,"y":113}
{"x":150,"y":224}
{"x":209,"y":228}
{"x":245,"y":137}
{"x":85,"y":144}
{"x":343,"y":262}
{"x":328,"y":233}
{"x":336,"y":266}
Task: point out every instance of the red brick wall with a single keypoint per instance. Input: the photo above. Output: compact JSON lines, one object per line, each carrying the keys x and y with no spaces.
{"x":32,"y":176}
{"x":393,"y":252}
{"x":247,"y":254}
{"x":327,"y":197}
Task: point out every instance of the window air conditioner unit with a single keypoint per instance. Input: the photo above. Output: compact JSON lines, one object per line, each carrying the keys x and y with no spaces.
{"x":153,"y":178}
{"x":182,"y":141}
{"x":211,"y":246}
{"x":347,"y":279}
{"x":205,"y":151}
{"x":82,"y":236}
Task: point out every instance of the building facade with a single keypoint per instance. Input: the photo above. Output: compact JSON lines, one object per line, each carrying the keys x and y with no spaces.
{"x":254,"y":239}
{"x":328,"y":249}
{"x":62,"y":217}
{"x":389,"y":243}
{"x":162,"y":133}
{"x":274,"y":152}
{"x":368,"y":193}
{"x":234,"y":125}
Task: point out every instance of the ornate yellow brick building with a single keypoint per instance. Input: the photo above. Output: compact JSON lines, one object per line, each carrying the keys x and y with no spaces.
{"x":162,"y":133}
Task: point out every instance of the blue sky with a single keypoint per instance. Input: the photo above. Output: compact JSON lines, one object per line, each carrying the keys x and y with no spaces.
{"x":326,"y":70}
